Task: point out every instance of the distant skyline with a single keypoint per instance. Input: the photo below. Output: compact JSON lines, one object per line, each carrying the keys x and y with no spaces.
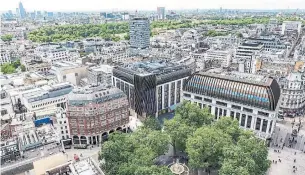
{"x":100,"y":5}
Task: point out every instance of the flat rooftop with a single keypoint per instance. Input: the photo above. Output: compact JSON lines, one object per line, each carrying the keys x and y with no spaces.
{"x":44,"y":90}
{"x":65,"y":65}
{"x":102,"y":68}
{"x":251,"y":44}
{"x":239,"y":76}
{"x":153,"y":67}
{"x":83,"y":95}
{"x":42,"y":165}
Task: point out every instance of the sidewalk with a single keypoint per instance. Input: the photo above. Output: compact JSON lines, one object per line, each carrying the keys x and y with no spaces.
{"x":285,"y":167}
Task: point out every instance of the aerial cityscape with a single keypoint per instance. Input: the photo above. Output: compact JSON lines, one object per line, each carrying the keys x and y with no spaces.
{"x":152,"y":88}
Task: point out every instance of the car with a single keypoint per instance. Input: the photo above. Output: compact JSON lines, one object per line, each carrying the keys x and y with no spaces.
{"x":32,"y":150}
{"x":41,"y":148}
{"x":51,"y":153}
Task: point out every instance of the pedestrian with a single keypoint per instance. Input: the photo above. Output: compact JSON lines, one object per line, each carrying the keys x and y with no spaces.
{"x":272,"y":161}
{"x":275,"y":162}
{"x":295,"y":153}
{"x":280,"y":160}
{"x":294,"y":160}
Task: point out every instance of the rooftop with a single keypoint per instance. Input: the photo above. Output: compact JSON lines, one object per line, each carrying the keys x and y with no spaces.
{"x":94,"y":93}
{"x":86,"y":167}
{"x":239,"y":76}
{"x":154,"y":67}
{"x":45,"y":91}
{"x":102,"y":68}
{"x":251,"y":44}
{"x":65,"y":65}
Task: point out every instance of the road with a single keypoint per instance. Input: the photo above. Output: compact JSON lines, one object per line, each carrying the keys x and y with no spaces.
{"x":33,"y":155}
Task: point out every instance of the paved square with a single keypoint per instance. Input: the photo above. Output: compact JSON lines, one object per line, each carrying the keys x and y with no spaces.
{"x":285,"y":167}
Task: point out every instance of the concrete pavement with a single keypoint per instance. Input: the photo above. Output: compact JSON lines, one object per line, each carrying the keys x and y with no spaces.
{"x":285,"y":167}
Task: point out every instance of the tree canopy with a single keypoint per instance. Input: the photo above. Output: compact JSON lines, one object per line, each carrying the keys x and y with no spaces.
{"x":110,"y":31}
{"x":7,"y":37}
{"x":74,"y":32}
{"x":219,"y":145}
{"x":134,"y":153}
{"x":152,"y":123}
{"x":213,"y":33}
{"x":9,"y":68}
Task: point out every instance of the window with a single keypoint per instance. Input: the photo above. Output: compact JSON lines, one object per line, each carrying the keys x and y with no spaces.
{"x":263,"y":113}
{"x":187,"y":95}
{"x":198,"y":98}
{"x":221,"y":103}
{"x":237,"y":116}
{"x":236,"y":107}
{"x":249,"y":121}
{"x":232,"y":114}
{"x":265,"y":123}
{"x":258,"y":124}
{"x":247,"y":110}
{"x":76,"y":74}
{"x":207,"y":100}
{"x":67,"y":132}
{"x":243,"y":119}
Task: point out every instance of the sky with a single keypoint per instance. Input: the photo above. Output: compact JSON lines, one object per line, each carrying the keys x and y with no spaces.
{"x":99,"y":5}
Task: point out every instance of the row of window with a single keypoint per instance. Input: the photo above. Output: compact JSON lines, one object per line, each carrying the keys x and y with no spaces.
{"x":244,"y":120}
{"x":48,"y":103}
{"x":266,"y":114}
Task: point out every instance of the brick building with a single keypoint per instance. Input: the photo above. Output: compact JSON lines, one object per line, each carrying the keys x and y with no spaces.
{"x":95,"y":111}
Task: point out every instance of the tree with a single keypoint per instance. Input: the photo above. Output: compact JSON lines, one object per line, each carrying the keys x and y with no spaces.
{"x":158,"y":141}
{"x":115,"y":152}
{"x":229,"y":126}
{"x":256,"y":150}
{"x":16,"y":64}
{"x":248,"y":156}
{"x":193,"y":116}
{"x":152,"y":123}
{"x":153,"y":170}
{"x":178,"y":132}
{"x":230,"y":167}
{"x":22,"y":67}
{"x":125,"y":154}
{"x":127,"y":36}
{"x":205,"y":147}
{"x":7,"y":68}
{"x":7,"y":37}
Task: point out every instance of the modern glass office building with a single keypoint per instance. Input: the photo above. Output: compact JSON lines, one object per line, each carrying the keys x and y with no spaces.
{"x":152,"y":87}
